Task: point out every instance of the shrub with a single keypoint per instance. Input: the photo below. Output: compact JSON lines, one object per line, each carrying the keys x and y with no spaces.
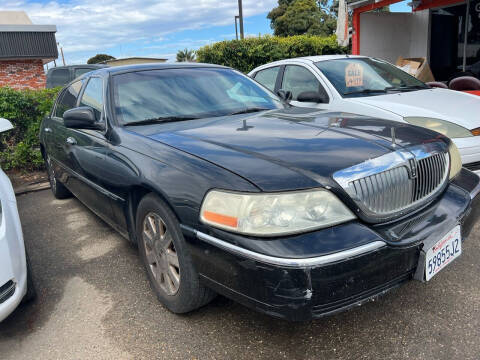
{"x":247,"y":54}
{"x":19,"y":147}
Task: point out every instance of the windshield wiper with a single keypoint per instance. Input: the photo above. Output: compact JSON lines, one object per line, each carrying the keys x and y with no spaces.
{"x":369,"y":91}
{"x":411,"y":87}
{"x":159,"y":120}
{"x":249,"y":110}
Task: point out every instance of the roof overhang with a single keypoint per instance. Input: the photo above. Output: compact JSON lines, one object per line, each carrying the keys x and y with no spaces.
{"x":28,"y":28}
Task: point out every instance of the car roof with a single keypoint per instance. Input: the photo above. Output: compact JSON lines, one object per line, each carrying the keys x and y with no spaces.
{"x":152,"y":66}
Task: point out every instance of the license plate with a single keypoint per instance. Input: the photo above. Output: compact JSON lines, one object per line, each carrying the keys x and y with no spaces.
{"x":443,"y":252}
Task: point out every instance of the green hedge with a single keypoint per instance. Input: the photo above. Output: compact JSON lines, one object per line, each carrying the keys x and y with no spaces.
{"x":247,"y":54}
{"x":19,"y":147}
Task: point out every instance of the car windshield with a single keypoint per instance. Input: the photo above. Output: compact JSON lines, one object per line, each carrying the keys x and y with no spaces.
{"x":187,"y":93}
{"x":355,"y":77}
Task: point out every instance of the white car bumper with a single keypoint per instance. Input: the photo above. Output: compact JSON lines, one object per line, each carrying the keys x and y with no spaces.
{"x":470,"y":152}
{"x":13,"y":268}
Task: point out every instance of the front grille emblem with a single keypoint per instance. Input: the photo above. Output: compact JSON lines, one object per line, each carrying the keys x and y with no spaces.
{"x":413,"y":168}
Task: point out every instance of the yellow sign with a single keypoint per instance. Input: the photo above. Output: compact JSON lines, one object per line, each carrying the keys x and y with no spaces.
{"x":354,"y":75}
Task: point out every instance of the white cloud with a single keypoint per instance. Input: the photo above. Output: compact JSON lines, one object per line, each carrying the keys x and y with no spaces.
{"x":98,"y":25}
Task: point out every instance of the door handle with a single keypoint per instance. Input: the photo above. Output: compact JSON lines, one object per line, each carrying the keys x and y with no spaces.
{"x":71,"y":141}
{"x":48,"y":130}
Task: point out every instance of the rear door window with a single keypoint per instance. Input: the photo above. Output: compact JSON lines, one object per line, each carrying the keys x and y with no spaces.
{"x":268,"y":77}
{"x":59,"y":77}
{"x":81,"y":71}
{"x":68,"y":99}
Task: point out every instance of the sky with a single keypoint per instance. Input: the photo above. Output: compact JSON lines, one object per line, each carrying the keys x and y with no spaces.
{"x":146,"y":28}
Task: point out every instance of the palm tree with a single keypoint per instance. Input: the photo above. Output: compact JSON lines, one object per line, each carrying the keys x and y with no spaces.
{"x":186,"y":55}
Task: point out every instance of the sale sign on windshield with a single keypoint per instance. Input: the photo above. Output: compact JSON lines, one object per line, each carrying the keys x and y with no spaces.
{"x":354,"y":75}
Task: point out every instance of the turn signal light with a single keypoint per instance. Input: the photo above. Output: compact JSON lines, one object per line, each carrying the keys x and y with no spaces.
{"x":475,"y":132}
{"x":220,"y":219}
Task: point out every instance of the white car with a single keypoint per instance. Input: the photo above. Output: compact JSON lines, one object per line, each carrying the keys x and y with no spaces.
{"x":15,"y":278}
{"x":371,"y":87}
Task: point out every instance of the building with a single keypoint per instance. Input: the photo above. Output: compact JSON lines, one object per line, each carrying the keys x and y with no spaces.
{"x":445,"y":32}
{"x":133,"y":60}
{"x":24,"y":49}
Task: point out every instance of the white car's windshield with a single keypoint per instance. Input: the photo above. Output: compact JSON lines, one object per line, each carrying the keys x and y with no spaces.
{"x":354,"y":77}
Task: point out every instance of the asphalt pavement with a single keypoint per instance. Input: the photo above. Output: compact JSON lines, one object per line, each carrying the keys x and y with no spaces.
{"x":94,"y":302}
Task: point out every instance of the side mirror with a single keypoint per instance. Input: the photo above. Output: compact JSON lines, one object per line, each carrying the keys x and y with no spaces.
{"x":81,"y":117}
{"x":311,"y":96}
{"x":285,"y":95}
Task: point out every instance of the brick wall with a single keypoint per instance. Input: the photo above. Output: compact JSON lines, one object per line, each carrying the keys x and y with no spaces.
{"x":22,"y":74}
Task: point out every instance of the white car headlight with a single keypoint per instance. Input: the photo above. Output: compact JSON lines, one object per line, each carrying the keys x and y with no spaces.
{"x":273,"y":214}
{"x":446,"y":128}
{"x":455,"y":160}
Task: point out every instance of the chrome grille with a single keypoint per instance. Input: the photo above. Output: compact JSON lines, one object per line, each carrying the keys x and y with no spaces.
{"x":431,"y":173}
{"x":386,"y":191}
{"x":389,"y":185}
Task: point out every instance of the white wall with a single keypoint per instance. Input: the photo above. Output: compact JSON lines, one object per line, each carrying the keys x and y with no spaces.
{"x":388,"y":35}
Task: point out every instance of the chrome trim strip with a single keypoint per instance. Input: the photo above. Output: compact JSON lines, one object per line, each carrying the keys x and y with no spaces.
{"x":287,"y":262}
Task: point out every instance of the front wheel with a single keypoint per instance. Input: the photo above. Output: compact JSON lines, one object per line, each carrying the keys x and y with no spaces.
{"x":166,"y":259}
{"x":58,"y":189}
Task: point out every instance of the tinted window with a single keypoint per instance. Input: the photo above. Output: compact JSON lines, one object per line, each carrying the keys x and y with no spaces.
{"x":268,"y":77}
{"x":68,"y":99}
{"x":59,"y":77}
{"x":93,"y":96}
{"x":192,"y":92}
{"x":298,"y":79}
{"x":81,"y":71}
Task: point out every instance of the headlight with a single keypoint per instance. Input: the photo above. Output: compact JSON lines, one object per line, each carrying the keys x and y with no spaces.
{"x":273,"y":214}
{"x":446,"y":128}
{"x":455,"y":160}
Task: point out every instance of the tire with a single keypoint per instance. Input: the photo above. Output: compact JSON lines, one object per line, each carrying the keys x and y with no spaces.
{"x":58,"y":189}
{"x":165,"y":255}
{"x":31,"y":292}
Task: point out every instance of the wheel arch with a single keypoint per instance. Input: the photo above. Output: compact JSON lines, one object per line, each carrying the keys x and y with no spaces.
{"x":135,"y":196}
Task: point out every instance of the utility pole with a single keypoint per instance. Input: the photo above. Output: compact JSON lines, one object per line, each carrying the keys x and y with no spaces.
{"x":61,"y":50}
{"x":240,"y":18}
{"x":236,"y":27}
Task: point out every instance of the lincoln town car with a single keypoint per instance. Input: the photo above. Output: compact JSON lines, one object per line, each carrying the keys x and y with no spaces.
{"x":228,"y":189}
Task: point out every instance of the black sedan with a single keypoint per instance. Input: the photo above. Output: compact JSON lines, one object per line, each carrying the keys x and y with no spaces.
{"x":227,"y":189}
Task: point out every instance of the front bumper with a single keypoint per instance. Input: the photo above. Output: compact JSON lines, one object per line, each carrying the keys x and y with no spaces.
{"x":13,"y":270}
{"x":321,"y":273}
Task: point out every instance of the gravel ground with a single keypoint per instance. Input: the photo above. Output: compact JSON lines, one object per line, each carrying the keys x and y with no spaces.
{"x":95,"y":303}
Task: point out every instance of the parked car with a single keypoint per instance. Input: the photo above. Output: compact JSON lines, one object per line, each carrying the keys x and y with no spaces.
{"x":62,"y":75}
{"x":226,"y":189}
{"x":372,"y":87}
{"x":15,"y":274}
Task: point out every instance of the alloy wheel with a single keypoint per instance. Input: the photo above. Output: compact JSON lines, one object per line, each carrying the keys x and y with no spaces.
{"x":160,"y":253}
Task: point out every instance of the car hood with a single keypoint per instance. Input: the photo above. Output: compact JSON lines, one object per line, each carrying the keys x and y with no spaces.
{"x":287,"y":149}
{"x":455,"y":106}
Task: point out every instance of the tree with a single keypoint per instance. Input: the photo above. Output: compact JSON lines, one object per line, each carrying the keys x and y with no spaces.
{"x":186,"y":55}
{"x":299,"y":17}
{"x":99,"y":58}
